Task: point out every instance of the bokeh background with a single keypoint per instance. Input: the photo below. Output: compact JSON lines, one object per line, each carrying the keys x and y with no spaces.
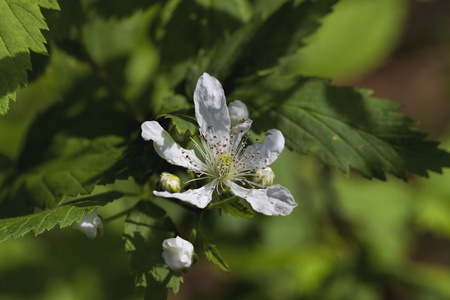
{"x":349,"y":238}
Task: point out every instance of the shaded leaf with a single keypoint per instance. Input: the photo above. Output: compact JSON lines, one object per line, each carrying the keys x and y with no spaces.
{"x":121,"y":9}
{"x":5,"y":162}
{"x":70,"y":168}
{"x":236,"y":209}
{"x":64,"y":215}
{"x":20,"y":31}
{"x":343,"y":126}
{"x":258,"y":44}
{"x":184,"y":124}
{"x":195,"y":27}
{"x":295,"y":22}
{"x":61,"y":23}
{"x":146,"y":227}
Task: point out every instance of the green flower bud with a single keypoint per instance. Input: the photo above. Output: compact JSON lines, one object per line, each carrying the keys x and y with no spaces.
{"x":264,"y":176}
{"x":170,"y":183}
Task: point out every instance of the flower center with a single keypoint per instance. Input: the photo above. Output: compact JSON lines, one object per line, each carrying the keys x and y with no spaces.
{"x":224,"y":164}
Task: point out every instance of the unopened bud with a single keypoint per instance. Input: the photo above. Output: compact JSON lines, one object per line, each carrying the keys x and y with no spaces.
{"x":170,"y":183}
{"x":178,"y":254}
{"x":264,"y":176}
{"x":238,"y":112}
{"x":90,"y":225}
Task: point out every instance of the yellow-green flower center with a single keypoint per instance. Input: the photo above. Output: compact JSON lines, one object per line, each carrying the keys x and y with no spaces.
{"x":225,"y":163}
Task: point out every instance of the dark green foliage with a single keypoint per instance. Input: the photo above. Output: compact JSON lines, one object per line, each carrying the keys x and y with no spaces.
{"x":146,"y":227}
{"x":342,"y":126}
{"x":113,"y":64}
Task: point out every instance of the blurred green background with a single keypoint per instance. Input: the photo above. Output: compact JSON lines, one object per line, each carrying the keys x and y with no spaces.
{"x":349,"y":238}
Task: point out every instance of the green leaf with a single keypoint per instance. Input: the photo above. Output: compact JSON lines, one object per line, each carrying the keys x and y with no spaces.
{"x":258,"y":45}
{"x":121,"y":9}
{"x":64,"y":215}
{"x":146,"y":227}
{"x":183,"y":124}
{"x":194,"y":26}
{"x":369,"y":40}
{"x":20,"y":31}
{"x":5,"y":162}
{"x":343,"y":126}
{"x":235,"y":208}
{"x":213,"y":255}
{"x":295,"y":22}
{"x":70,"y":168}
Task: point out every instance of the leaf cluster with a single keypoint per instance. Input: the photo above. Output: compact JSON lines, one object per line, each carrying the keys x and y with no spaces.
{"x":111,"y":66}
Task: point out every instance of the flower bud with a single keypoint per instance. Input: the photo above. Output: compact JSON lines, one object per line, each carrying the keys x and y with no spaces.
{"x":90,"y":225}
{"x":264,"y":176}
{"x":178,"y":253}
{"x":170,"y":183}
{"x":238,"y":111}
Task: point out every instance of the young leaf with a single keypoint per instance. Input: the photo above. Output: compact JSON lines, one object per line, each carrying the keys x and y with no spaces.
{"x":213,"y":255}
{"x":343,"y":126}
{"x":20,"y":31}
{"x":64,"y":215}
{"x":146,"y":227}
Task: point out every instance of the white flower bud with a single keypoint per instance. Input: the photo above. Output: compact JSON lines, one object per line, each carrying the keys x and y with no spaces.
{"x":238,"y":111}
{"x":178,"y":253}
{"x":90,"y":225}
{"x":170,"y":183}
{"x":264,"y":176}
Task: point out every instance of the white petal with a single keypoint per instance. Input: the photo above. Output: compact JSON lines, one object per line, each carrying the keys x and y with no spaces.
{"x":211,"y":109}
{"x":238,"y":111}
{"x":239,"y":131}
{"x":198,"y":197}
{"x":167,"y":148}
{"x":266,"y":152}
{"x":275,"y":200}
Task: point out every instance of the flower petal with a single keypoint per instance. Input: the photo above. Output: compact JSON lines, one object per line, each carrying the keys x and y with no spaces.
{"x":238,"y":132}
{"x":211,"y":109}
{"x":263,"y":154}
{"x":167,"y":148}
{"x":275,"y":200}
{"x":198,"y":197}
{"x":238,"y":111}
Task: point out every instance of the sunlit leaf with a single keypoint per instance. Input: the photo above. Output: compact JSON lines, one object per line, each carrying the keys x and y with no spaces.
{"x":64,"y":215}
{"x":20,"y":31}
